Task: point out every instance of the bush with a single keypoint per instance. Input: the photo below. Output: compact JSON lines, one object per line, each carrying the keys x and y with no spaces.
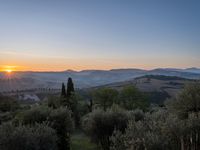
{"x":142,"y":134}
{"x":37,"y":114}
{"x":54,"y":102}
{"x":59,"y":119}
{"x":137,"y":115}
{"x":8,"y":104}
{"x":100,"y":125}
{"x":183,"y":134}
{"x":5,"y":117}
{"x":159,"y":131}
{"x":38,"y":137}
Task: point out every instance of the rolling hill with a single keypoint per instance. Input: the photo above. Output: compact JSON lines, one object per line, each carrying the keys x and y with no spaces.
{"x":83,"y":79}
{"x":158,"y":87}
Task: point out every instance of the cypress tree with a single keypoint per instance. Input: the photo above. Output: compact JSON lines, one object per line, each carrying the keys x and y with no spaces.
{"x":70,"y":87}
{"x":63,"y":92}
{"x":72,"y":102}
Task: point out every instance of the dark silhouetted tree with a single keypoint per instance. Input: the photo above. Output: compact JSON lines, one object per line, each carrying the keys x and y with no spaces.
{"x":70,"y":87}
{"x":90,"y":106}
{"x":63,"y":92}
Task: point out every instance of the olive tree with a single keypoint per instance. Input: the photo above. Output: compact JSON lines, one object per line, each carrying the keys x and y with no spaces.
{"x":187,"y":102}
{"x":100,"y":125}
{"x":105,"y":97}
{"x":37,"y":137}
{"x":131,"y":98}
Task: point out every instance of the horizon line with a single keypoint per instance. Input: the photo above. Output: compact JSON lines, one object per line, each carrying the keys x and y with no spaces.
{"x":73,"y":70}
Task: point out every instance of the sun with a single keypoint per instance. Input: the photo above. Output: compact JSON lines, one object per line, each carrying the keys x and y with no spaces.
{"x":9,"y":71}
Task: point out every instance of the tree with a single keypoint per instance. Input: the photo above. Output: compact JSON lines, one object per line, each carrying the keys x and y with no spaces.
{"x":145,"y":134}
{"x":70,"y":99}
{"x":70,"y":87}
{"x":105,"y":97}
{"x":37,"y":114}
{"x":37,"y":137}
{"x":8,"y":107}
{"x":54,"y":101}
{"x":131,"y":98}
{"x":100,"y":125}
{"x":8,"y":104}
{"x":63,"y":92}
{"x":159,"y":130}
{"x":60,"y":120}
{"x":187,"y":102}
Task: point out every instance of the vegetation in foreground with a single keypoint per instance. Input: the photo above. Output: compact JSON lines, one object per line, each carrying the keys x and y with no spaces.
{"x":104,"y":119}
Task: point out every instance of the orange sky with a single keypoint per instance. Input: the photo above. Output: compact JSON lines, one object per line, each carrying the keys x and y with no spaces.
{"x":84,"y":64}
{"x":17,"y":61}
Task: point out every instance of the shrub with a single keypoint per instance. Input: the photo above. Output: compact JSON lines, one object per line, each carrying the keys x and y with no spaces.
{"x":38,"y":137}
{"x":8,"y":104}
{"x":36,"y":114}
{"x":142,"y":134}
{"x":100,"y":125}
{"x":59,"y":119}
{"x":137,"y":115}
{"x":159,"y":131}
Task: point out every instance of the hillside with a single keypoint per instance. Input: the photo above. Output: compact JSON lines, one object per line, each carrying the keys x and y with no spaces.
{"x":158,"y":87}
{"x":83,"y":79}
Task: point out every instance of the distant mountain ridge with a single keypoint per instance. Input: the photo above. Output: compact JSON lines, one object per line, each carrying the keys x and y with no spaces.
{"x":85,"y":78}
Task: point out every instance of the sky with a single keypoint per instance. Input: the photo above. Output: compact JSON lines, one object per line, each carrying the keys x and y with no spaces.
{"x":56,"y":35}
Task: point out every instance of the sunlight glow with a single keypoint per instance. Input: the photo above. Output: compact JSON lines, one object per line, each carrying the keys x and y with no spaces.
{"x":8,"y":71}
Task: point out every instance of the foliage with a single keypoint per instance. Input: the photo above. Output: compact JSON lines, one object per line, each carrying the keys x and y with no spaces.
{"x":60,"y":121}
{"x":63,"y":91}
{"x":8,"y":104}
{"x":188,"y":101}
{"x":36,"y":114}
{"x":163,"y":129}
{"x":70,"y":87}
{"x":38,"y":137}
{"x":136,"y":115}
{"x":6,"y":117}
{"x":131,"y":98}
{"x":142,"y":134}
{"x":54,"y":102}
{"x":159,"y":130}
{"x":105,"y":97}
{"x":78,"y":108}
{"x":100,"y":125}
{"x":158,"y":97}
